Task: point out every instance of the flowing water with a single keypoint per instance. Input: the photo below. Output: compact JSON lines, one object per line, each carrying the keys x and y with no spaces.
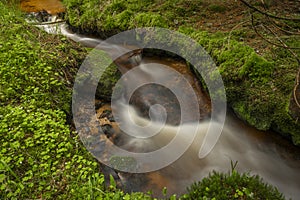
{"x":255,"y":151}
{"x":275,"y":159}
{"x":264,"y":153}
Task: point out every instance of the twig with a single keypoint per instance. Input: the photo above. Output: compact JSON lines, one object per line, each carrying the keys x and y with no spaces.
{"x":284,"y":44}
{"x":295,"y":89}
{"x":268,"y":14}
{"x":283,"y":30}
{"x":233,"y":165}
{"x":274,"y":24}
{"x":267,"y":40}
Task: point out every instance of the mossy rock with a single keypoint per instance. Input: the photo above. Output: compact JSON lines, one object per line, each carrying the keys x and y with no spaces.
{"x":258,"y":89}
{"x":232,"y":186}
{"x":107,"y":82}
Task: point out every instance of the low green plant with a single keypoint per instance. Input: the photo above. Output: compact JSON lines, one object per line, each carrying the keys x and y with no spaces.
{"x":39,"y":155}
{"x":232,"y":186}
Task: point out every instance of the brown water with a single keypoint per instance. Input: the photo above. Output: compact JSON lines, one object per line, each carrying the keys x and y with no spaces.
{"x":51,"y":6}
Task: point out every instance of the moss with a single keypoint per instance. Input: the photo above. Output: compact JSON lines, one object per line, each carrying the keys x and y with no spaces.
{"x":232,"y":186}
{"x":257,"y":88}
{"x":111,"y":17}
{"x":107,"y":82}
{"x":257,"y":69}
{"x":149,"y":20}
{"x":123,"y":163}
{"x":245,"y":112}
{"x":217,"y":8}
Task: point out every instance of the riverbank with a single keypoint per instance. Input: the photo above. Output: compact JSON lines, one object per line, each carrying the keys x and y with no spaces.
{"x":259,"y":78}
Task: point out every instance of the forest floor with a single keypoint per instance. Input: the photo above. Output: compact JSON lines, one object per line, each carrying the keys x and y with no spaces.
{"x":231,"y":15}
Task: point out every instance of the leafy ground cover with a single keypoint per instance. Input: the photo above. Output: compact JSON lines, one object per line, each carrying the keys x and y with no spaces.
{"x":259,"y":80}
{"x":40,"y":157}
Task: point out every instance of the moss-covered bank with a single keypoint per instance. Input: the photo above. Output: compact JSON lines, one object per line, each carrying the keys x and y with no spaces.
{"x":258,"y":88}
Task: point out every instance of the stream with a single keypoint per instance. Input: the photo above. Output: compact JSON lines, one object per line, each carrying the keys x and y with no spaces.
{"x":264,"y":153}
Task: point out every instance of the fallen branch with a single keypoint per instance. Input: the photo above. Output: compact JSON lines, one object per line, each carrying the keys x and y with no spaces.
{"x":295,"y":89}
{"x":268,"y":14}
{"x":267,"y":40}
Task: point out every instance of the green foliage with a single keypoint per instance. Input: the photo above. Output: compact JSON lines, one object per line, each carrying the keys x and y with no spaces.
{"x":257,"y":88}
{"x":39,"y":155}
{"x":111,"y":17}
{"x":232,"y":186}
{"x":94,"y":188}
{"x":31,"y":72}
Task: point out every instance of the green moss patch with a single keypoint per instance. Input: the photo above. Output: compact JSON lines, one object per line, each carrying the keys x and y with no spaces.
{"x":257,"y":88}
{"x":232,"y":186}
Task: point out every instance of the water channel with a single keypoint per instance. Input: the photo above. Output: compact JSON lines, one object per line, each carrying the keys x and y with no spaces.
{"x":271,"y":156}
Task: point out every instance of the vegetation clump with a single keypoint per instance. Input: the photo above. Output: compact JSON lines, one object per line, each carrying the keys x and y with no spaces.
{"x":232,"y":186}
